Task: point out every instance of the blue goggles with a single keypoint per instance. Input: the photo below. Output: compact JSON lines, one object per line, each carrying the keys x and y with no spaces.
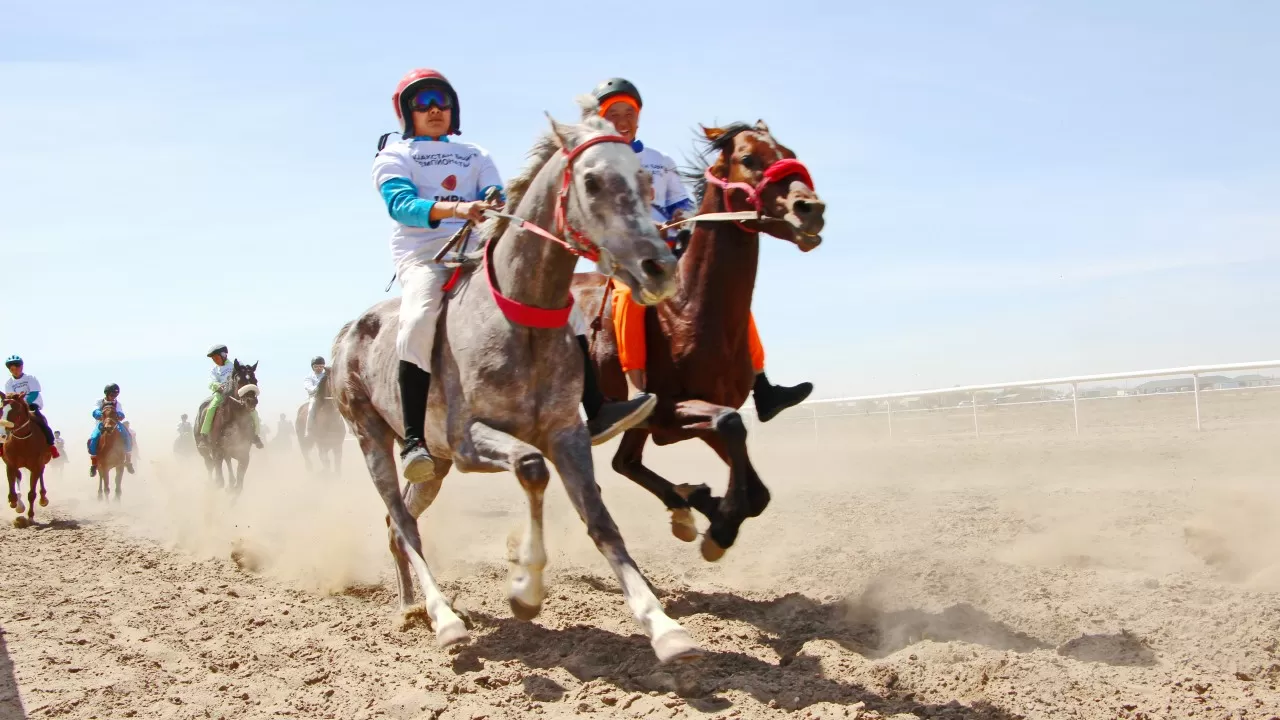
{"x":431,"y":96}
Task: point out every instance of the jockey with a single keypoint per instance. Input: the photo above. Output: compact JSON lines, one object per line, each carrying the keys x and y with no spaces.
{"x":431,"y":186}
{"x":57,"y":442}
{"x":29,"y":386}
{"x":619,"y":103}
{"x":184,"y":427}
{"x":220,"y":386}
{"x":110,"y":394}
{"x":312,"y":383}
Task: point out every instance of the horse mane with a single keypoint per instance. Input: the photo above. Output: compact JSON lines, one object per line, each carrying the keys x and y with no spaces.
{"x":538,"y":156}
{"x":695,"y":170}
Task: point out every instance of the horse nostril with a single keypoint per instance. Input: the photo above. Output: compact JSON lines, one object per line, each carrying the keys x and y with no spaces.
{"x":653,"y":268}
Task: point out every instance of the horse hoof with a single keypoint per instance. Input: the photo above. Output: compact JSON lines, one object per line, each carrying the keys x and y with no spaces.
{"x":675,"y":647}
{"x":44,"y":501}
{"x":522,"y":611}
{"x":21,"y":521}
{"x":21,"y":507}
{"x":452,"y":634}
{"x":682,"y":525}
{"x":13,"y":503}
{"x":711,"y":550}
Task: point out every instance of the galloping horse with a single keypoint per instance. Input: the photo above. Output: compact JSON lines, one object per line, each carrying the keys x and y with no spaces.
{"x":231,"y":436}
{"x":110,"y":452}
{"x":327,"y":436}
{"x":508,"y":373}
{"x":24,"y":449}
{"x":696,"y":342}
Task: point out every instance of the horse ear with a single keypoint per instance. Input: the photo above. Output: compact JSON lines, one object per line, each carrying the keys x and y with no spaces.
{"x":564,"y":135}
{"x":235,"y":364}
{"x":713,"y":133}
{"x":254,"y":367}
{"x":762,"y":127}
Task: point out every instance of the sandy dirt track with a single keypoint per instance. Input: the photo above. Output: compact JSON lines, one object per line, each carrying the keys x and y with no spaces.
{"x":1133,"y":572}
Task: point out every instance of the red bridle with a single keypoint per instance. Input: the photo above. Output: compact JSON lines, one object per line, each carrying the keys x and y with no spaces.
{"x":777,"y":170}
{"x":580,"y":245}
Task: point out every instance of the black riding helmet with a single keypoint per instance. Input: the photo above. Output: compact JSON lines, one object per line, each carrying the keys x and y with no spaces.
{"x":614,"y":87}
{"x":112,"y":389}
{"x":317,"y":360}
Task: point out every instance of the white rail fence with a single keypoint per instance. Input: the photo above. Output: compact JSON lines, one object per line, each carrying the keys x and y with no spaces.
{"x":1195,"y":372}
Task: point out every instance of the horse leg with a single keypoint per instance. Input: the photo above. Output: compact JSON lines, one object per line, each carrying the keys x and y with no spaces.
{"x":677,"y":498}
{"x":377,"y":444}
{"x":242,"y":467}
{"x":15,"y":491}
{"x":32,"y":479}
{"x":119,"y":477}
{"x":723,"y":429}
{"x":486,"y":449}
{"x":746,"y":495}
{"x":44,"y":497}
{"x":571,"y":453}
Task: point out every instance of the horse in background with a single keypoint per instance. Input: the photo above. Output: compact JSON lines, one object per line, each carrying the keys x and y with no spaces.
{"x":110,"y":453}
{"x":328,"y":434}
{"x":24,"y":448}
{"x":231,"y":436}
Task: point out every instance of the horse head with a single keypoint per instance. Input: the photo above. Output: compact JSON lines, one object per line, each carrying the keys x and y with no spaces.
{"x":244,"y":384}
{"x":15,"y":412}
{"x":109,"y":418}
{"x":605,"y":196}
{"x":777,"y":185}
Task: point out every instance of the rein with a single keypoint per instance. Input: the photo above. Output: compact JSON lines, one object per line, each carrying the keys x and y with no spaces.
{"x":777,"y":170}
{"x":578,"y":244}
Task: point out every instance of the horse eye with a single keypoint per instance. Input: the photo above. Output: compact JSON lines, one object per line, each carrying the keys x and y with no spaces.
{"x":592,"y":184}
{"x":750,"y":162}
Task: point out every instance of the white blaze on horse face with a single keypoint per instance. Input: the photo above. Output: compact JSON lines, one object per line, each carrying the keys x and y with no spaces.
{"x":4,"y":416}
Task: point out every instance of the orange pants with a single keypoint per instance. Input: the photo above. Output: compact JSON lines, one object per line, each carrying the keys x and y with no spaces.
{"x":628,"y":327}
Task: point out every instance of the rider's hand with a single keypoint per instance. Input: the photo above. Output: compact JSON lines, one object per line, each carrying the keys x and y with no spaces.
{"x":473,"y":211}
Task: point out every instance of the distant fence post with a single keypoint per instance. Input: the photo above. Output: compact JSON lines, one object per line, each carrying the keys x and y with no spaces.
{"x":888,"y":406}
{"x":1075,"y":404}
{"x":974,"y":399}
{"x":1195,"y":386}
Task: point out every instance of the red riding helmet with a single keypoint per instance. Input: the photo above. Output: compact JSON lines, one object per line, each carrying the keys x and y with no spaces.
{"x":409,"y":86}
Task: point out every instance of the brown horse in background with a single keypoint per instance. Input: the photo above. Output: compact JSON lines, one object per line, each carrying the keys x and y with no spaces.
{"x":697,"y":357}
{"x":328,"y":434}
{"x":24,"y":449}
{"x":110,"y":452}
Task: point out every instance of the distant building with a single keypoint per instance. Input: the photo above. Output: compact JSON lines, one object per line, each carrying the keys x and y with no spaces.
{"x":1256,"y":380}
{"x":1166,"y":386}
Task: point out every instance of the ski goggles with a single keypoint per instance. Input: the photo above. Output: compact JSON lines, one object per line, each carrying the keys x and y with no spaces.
{"x":431,"y":96}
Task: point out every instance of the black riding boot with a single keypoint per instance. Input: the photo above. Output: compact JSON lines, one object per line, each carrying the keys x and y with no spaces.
{"x":773,"y":399}
{"x":606,"y":419}
{"x":44,"y":426}
{"x":415,"y":385}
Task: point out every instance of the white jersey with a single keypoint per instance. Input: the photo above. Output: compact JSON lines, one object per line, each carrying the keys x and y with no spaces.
{"x":222,"y":373}
{"x":669,"y":192}
{"x":26,"y":384}
{"x":102,"y":402}
{"x":443,"y":171}
{"x":311,"y":383}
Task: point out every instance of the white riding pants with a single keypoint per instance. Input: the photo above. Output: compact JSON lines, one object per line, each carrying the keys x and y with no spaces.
{"x":422,"y":294}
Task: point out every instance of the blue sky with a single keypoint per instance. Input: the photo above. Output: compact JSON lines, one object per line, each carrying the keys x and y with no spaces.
{"x":1014,"y":189}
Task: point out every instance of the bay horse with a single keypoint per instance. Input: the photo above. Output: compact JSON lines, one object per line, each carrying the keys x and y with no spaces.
{"x":505,"y":394}
{"x":24,"y":449}
{"x":329,"y":433}
{"x":697,"y":358}
{"x":110,"y":452}
{"x":231,"y":436}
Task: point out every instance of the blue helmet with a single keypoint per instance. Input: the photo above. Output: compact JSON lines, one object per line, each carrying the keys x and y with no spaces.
{"x":12,"y":360}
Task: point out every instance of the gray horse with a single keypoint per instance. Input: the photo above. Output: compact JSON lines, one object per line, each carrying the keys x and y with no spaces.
{"x":507,"y":395}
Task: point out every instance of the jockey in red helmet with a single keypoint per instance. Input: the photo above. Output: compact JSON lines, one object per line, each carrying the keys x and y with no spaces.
{"x":431,"y":186}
